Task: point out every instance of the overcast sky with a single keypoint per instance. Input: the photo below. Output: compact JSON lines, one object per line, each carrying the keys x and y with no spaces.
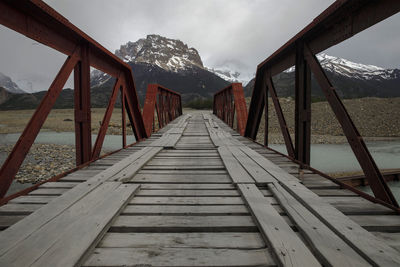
{"x":235,"y":33}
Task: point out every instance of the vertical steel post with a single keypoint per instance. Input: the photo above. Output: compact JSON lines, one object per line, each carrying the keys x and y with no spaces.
{"x":83,"y":135}
{"x":302,"y":107}
{"x":266,"y":117}
{"x":123,"y":117}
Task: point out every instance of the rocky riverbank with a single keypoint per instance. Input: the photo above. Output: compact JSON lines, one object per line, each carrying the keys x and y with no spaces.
{"x":42,"y":162}
{"x":377,"y":119}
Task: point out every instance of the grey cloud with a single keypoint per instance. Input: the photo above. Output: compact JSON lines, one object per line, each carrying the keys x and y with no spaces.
{"x":241,"y":33}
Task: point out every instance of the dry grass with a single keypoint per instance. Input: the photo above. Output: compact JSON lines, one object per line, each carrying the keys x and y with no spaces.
{"x":59,"y":120}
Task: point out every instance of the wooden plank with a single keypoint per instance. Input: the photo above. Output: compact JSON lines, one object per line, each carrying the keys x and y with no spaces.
{"x":49,"y":191}
{"x":334,"y":192}
{"x":32,"y":199}
{"x":358,"y":206}
{"x":198,"y":210}
{"x":392,"y":239}
{"x":186,"y":186}
{"x":175,"y":224}
{"x":160,"y":257}
{"x":21,"y":230}
{"x":186,"y":161}
{"x":194,"y":167}
{"x":7,"y":220}
{"x":58,"y":230}
{"x":86,"y":231}
{"x":257,"y":173}
{"x":182,"y":240}
{"x":187,"y":201}
{"x":235,"y":170}
{"x":58,"y":185}
{"x":329,"y":248}
{"x":172,"y":178}
{"x":285,"y":244}
{"x":381,"y":223}
{"x":129,"y":171}
{"x":190,"y":193}
{"x":19,"y":209}
{"x":366,"y":244}
{"x":186,"y":172}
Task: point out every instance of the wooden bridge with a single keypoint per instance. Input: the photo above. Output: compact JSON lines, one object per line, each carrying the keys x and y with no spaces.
{"x":196,"y":192}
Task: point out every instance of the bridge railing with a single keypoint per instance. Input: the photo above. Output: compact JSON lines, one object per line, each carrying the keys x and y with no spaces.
{"x":38,"y":21}
{"x":343,"y":19}
{"x":229,"y":102}
{"x":165,"y":102}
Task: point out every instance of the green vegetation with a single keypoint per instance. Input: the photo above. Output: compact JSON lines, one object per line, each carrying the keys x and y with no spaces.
{"x":200,"y":104}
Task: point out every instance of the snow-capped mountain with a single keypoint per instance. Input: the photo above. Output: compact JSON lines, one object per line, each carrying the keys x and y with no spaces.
{"x":353,"y":70}
{"x":168,"y":54}
{"x":169,"y":62}
{"x":9,"y":85}
{"x":230,"y":75}
{"x":351,"y":79}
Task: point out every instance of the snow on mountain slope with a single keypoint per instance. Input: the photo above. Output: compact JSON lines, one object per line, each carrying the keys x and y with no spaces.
{"x":169,"y":54}
{"x":351,"y":69}
{"x":9,"y":85}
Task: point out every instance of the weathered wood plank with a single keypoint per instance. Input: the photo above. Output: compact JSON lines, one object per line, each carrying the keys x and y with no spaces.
{"x":58,"y":229}
{"x":186,"y":186}
{"x":330,"y":249}
{"x":83,"y":234}
{"x":19,"y":209}
{"x":198,"y":210}
{"x":190,"y":193}
{"x":129,"y":171}
{"x":257,"y":173}
{"x":160,"y":257}
{"x":381,"y":223}
{"x":234,"y":168}
{"x":185,"y":178}
{"x":285,"y":244}
{"x":187,"y":201}
{"x":58,"y":185}
{"x":183,"y":240}
{"x":49,"y":191}
{"x":174,"y":224}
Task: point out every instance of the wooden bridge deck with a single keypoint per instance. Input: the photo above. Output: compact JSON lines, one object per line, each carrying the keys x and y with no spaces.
{"x":196,"y":194}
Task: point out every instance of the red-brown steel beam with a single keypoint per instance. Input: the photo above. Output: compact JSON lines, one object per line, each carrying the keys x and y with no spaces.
{"x":82,"y":112}
{"x":227,"y":102}
{"x":148,"y":108}
{"x":106,"y":119}
{"x":342,"y":20}
{"x":13,"y":162}
{"x":168,"y":106}
{"x":302,"y":108}
{"x":123,"y":118}
{"x":281,"y":118}
{"x":38,"y":21}
{"x":378,"y":184}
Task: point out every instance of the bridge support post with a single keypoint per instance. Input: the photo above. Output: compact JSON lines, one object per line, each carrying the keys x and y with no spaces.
{"x":281,"y":117}
{"x":302,"y":107}
{"x":83,"y":134}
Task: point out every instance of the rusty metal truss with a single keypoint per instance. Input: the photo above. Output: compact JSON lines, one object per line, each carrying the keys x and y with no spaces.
{"x":38,"y":21}
{"x":342,"y":20}
{"x":165,"y":102}
{"x":229,"y":102}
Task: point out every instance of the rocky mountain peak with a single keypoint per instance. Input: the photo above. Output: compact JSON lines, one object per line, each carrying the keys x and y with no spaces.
{"x":169,"y":54}
{"x":9,"y":85}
